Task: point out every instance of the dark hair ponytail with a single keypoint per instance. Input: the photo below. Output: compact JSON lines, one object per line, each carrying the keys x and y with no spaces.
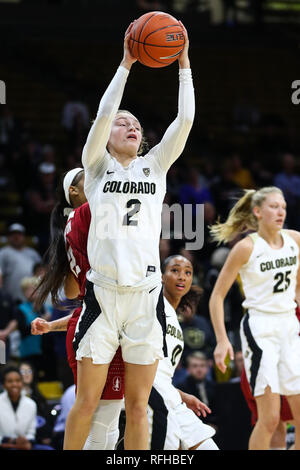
{"x":55,"y":258}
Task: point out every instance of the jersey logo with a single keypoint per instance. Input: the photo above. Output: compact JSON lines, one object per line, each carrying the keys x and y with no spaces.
{"x":109,"y":172}
{"x":116,"y":386}
{"x":146,"y":171}
{"x":258,"y":256}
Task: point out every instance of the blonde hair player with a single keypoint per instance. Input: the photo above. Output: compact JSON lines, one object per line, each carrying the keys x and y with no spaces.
{"x":267,"y":261}
{"x":123,"y":304}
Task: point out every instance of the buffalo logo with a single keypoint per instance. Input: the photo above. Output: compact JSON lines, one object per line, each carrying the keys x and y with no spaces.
{"x":116,"y":386}
{"x":146,"y":171}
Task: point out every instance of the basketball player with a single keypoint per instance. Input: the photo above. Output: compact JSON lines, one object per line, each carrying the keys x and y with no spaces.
{"x":172,"y":413}
{"x":125,"y":195}
{"x":68,"y":266}
{"x":267,"y":261}
{"x":278,"y":441}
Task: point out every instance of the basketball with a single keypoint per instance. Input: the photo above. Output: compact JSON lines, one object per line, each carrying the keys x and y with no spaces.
{"x":156,"y":39}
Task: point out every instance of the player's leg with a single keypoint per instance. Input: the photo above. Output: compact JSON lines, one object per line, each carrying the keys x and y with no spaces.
{"x":278,"y":441}
{"x":294,"y":402}
{"x":104,"y":431}
{"x":90,"y":383}
{"x":268,"y":410}
{"x":138,"y":383}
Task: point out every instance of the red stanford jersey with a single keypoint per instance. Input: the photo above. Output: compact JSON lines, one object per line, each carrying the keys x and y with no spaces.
{"x":76,"y":235}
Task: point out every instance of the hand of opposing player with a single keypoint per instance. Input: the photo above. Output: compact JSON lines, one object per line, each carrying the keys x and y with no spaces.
{"x":39,"y":326}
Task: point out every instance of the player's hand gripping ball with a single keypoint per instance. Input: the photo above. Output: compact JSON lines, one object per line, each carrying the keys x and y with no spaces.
{"x":156,"y":39}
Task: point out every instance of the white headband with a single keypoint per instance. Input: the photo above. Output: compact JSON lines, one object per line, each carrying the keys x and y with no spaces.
{"x":68,"y":181}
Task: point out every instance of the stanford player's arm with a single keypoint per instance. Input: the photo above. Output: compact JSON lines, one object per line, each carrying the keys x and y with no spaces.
{"x":71,"y":286}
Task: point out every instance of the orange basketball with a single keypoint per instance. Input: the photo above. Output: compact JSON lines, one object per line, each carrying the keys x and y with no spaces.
{"x":156,"y":39}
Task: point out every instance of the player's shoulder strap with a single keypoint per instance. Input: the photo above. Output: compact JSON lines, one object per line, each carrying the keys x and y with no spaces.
{"x":253,"y":236}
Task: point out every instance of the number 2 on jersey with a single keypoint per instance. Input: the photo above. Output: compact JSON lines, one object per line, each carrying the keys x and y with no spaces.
{"x":136,"y":208}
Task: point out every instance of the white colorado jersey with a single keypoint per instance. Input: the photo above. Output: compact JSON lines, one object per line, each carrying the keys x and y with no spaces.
{"x":269,"y":277}
{"x":126,"y":203}
{"x":167,"y":366}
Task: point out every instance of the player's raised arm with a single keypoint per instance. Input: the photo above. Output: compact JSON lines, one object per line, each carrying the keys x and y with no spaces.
{"x":95,"y":146}
{"x":175,"y":137}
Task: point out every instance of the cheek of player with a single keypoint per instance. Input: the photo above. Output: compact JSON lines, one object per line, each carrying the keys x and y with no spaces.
{"x":125,"y":136}
{"x":178,"y":280}
{"x":81,"y":193}
{"x":272,"y":213}
{"x":78,"y":193}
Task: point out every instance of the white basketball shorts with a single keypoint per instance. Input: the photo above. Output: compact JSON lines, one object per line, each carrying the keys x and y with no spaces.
{"x":133,"y":319}
{"x":174,"y":428}
{"x":271,"y":350}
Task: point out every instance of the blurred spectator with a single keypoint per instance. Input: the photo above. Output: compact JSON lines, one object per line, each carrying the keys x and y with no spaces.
{"x":48,"y":154}
{"x":225,"y":191}
{"x":75,"y":120}
{"x":66,"y":403}
{"x":238,"y":365}
{"x":151,"y":5}
{"x":198,"y":384}
{"x":26,"y":164}
{"x":241,"y":176}
{"x":18,"y":417}
{"x":180,"y":374}
{"x":272,"y":141}
{"x":197,"y":331}
{"x":289,"y":182}
{"x":30,"y":386}
{"x":9,"y":130}
{"x":8,"y":321}
{"x":40,"y":202}
{"x":233,"y":310}
{"x":31,"y":346}
{"x":174,"y":181}
{"x":18,"y":413}
{"x":208,"y":170}
{"x":16,"y":261}
{"x":230,"y":12}
{"x":261,"y":176}
{"x":193,"y":192}
{"x":7,"y":178}
{"x":245,"y":114}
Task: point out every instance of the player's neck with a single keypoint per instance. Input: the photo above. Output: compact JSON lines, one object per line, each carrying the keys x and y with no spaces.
{"x":124,"y":159}
{"x":272,"y":237}
{"x":173,"y":301}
